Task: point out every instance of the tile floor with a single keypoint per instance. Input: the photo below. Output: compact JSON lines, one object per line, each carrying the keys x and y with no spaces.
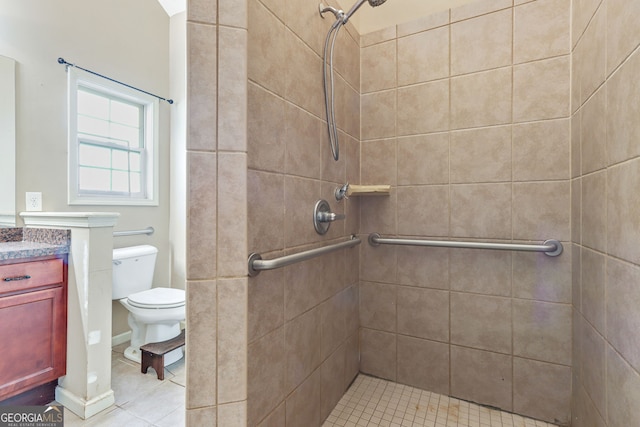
{"x":376,"y":402}
{"x":141,"y":400}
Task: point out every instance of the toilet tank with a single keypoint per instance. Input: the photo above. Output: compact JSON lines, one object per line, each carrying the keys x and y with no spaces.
{"x":133,"y":270}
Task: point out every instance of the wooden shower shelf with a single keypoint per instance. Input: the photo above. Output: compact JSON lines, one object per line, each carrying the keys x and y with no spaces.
{"x":368,"y":190}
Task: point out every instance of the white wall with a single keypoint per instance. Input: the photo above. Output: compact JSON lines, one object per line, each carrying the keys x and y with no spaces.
{"x":125,"y":40}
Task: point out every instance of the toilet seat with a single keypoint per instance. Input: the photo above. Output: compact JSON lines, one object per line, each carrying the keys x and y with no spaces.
{"x":158,"y":298}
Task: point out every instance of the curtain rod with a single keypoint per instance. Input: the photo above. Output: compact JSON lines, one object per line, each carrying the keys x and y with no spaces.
{"x":69,"y":64}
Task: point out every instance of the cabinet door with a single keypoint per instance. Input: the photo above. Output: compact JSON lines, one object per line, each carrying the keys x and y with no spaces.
{"x":33,"y":337}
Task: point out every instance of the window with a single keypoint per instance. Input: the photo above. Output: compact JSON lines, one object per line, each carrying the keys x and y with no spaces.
{"x":112,"y":143}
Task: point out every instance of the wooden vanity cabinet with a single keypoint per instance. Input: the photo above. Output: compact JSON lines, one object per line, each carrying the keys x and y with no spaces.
{"x":33,"y":327}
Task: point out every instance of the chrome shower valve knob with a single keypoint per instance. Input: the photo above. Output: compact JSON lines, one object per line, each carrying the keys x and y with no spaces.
{"x":323,"y":217}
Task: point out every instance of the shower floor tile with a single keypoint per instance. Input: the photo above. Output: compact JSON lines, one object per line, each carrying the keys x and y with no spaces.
{"x":375,"y":402}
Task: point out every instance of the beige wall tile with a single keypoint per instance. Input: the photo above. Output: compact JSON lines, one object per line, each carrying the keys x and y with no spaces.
{"x":423,"y":56}
{"x":423,"y":108}
{"x":593,"y":374}
{"x":332,"y":170}
{"x":267,"y":34}
{"x":583,"y":11}
{"x":541,"y":30}
{"x":302,"y":137}
{"x":378,"y":162}
{"x":383,"y":35}
{"x":481,"y":155}
{"x":378,"y":353}
{"x":378,"y":64}
{"x":623,"y":204}
{"x":481,"y":43}
{"x":302,"y":79}
{"x":593,"y":134}
{"x":232,"y":341}
{"x":576,"y":77}
{"x":378,"y":262}
{"x":412,"y":369}
{"x":576,"y":210}
{"x":482,"y":322}
{"x":378,"y":306}
{"x":265,"y":374}
{"x":347,"y":108}
{"x":542,"y":331}
{"x":481,"y":271}
{"x":347,"y":55}
{"x":541,"y":277}
{"x":481,"y":376}
{"x":201,"y":318}
{"x":277,"y":7}
{"x":265,"y":211}
{"x":302,"y":347}
{"x":232,"y":225}
{"x":333,"y":324}
{"x":265,"y":136}
{"x":478,"y":8}
{"x":542,"y":390}
{"x":594,"y":211}
{"x":378,"y":214}
{"x":623,"y":383}
{"x":303,"y":404}
{"x":541,"y":210}
{"x":576,"y":280}
{"x":593,"y":55}
{"x":622,"y":31}
{"x":300,"y":196}
{"x":583,"y":409}
{"x":265,"y":303}
{"x":202,"y":416}
{"x":623,"y":319}
{"x":232,"y":84}
{"x":233,"y":414}
{"x":275,"y":418}
{"x":201,"y":199}
{"x":201,"y":90}
{"x":541,"y":90}
{"x":541,"y":150}
{"x":378,"y":115}
{"x":423,"y":159}
{"x":623,"y":128}
{"x":423,"y":313}
{"x":423,"y":267}
{"x":425,"y":210}
{"x":352,"y":359}
{"x":202,"y":11}
{"x":303,"y":286}
{"x":481,"y":99}
{"x":424,"y":23}
{"x":481,"y":210}
{"x":593,"y":289}
{"x":303,"y":21}
{"x":332,"y":372}
{"x":576,"y":155}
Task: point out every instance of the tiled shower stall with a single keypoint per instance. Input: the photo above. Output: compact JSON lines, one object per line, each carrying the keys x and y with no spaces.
{"x":500,"y":120}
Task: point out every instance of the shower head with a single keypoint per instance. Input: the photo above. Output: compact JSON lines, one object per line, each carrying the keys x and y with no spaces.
{"x":344,"y":17}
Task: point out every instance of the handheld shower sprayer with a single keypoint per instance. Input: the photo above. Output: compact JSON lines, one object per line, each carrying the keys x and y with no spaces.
{"x":327,"y":65}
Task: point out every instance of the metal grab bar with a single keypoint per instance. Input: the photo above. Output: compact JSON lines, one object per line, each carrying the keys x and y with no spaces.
{"x":148,"y":230}
{"x":257,"y":264}
{"x":550,"y":247}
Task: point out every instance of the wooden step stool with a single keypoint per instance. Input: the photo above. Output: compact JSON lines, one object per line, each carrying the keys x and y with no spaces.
{"x":153,"y":354}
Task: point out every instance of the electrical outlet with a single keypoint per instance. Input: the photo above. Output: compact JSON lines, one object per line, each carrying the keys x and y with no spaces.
{"x":34,"y":201}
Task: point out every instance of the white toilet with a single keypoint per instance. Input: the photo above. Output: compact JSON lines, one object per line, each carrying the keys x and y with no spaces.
{"x":154,"y":313}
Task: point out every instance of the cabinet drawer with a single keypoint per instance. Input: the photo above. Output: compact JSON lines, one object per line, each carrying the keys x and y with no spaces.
{"x":27,"y":275}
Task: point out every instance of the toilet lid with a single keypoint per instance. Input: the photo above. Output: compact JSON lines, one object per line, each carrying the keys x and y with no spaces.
{"x":157,"y":298}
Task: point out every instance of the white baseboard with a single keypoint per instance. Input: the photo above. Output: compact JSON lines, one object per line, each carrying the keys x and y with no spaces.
{"x":81,"y":407}
{"x":121,"y":338}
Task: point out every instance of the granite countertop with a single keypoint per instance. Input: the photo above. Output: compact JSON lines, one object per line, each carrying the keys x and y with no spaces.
{"x":19,"y":243}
